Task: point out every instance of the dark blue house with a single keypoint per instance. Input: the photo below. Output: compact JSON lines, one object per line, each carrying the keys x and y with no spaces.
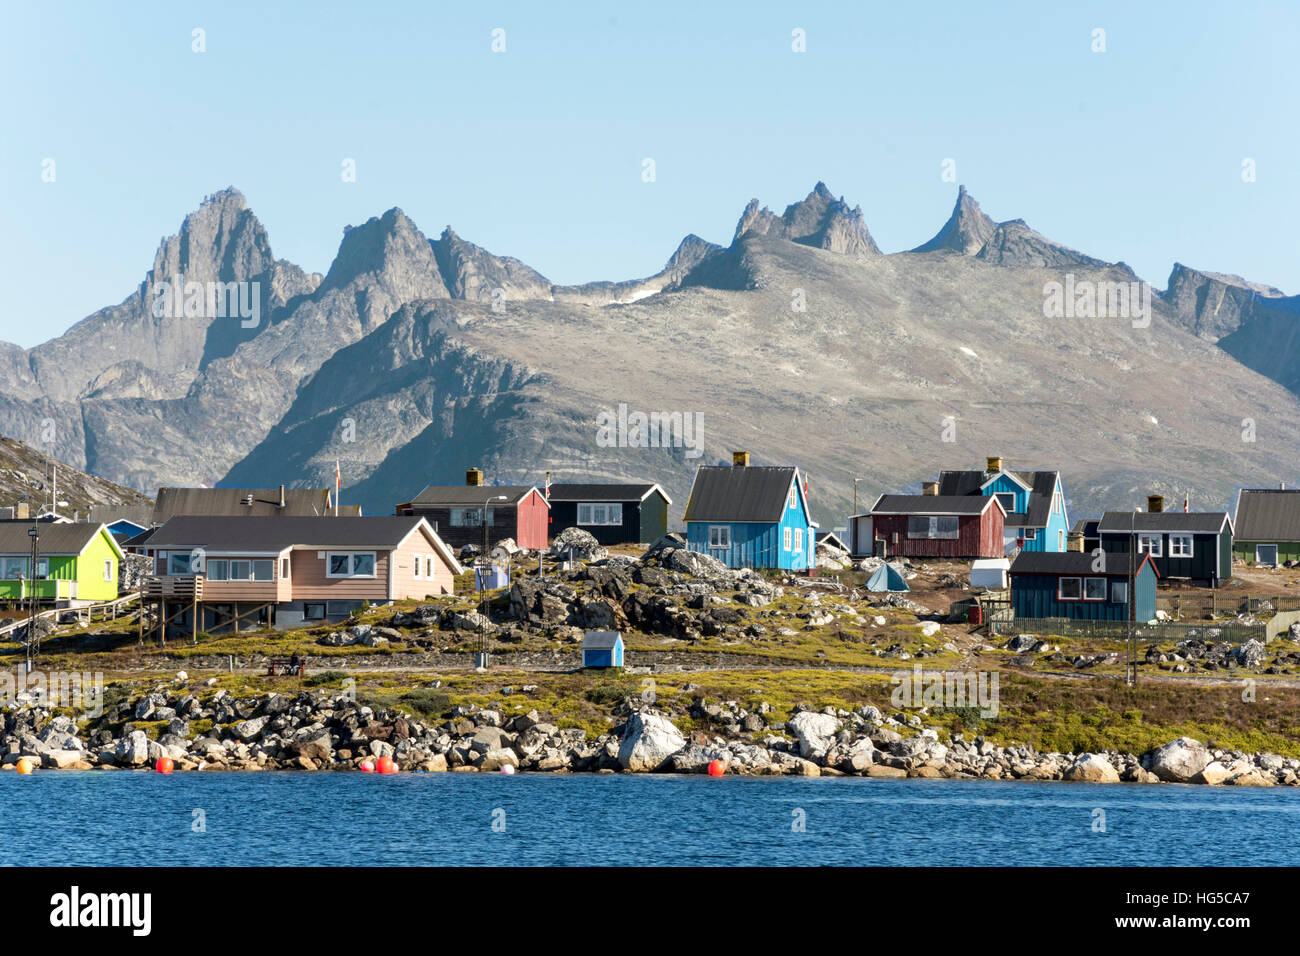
{"x":751,"y":517}
{"x":602,"y":649}
{"x":1083,"y":586}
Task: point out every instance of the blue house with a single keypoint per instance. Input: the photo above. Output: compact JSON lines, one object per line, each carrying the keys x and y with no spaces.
{"x":1083,"y":586}
{"x":751,"y":517}
{"x":1033,"y":500}
{"x":602,"y":649}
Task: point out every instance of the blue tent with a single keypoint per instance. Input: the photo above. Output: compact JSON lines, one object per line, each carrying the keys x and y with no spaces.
{"x":887,"y":578}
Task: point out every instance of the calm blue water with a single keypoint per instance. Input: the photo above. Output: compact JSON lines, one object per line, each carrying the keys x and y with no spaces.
{"x":128,"y":818}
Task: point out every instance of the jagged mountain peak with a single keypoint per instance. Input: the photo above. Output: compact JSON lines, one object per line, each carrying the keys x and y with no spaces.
{"x":388,"y":245}
{"x":819,"y":220}
{"x":471,"y":272}
{"x":967,"y":230}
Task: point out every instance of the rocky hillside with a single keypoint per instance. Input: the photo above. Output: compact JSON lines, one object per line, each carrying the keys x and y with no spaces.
{"x":413,"y":358}
{"x":27,"y":476}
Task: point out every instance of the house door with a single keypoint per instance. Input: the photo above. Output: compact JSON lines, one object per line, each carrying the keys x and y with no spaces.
{"x":1266,"y":554}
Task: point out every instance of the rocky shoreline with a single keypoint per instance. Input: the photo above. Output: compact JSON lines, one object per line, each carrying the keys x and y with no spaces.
{"x":329,"y":731}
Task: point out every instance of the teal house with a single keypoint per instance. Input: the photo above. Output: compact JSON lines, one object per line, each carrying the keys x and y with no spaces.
{"x":751,"y":516}
{"x":1034,"y":501}
{"x":1083,"y":587}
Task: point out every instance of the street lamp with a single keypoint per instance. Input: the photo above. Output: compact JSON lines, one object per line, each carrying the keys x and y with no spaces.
{"x":32,"y":650}
{"x":482,"y":570}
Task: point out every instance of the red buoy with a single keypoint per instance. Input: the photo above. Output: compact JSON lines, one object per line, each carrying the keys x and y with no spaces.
{"x":164,"y":765}
{"x":717,"y":768}
{"x":368,"y":766}
{"x":385,"y":765}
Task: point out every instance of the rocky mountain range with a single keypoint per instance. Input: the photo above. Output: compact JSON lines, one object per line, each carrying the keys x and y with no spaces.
{"x":800,"y":340}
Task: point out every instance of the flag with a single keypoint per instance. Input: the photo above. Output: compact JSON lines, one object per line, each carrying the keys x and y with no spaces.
{"x":1187,"y":499}
{"x":337,"y":479}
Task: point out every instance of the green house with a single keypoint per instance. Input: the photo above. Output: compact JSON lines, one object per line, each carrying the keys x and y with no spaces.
{"x":76,"y":563}
{"x":1267,"y":526}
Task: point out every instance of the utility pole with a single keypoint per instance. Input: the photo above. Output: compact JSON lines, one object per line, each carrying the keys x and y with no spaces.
{"x":480,"y":573}
{"x":1130,"y":671}
{"x":33,"y":647}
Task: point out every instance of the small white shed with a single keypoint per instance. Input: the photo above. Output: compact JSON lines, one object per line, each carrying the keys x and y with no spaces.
{"x":990,"y":573}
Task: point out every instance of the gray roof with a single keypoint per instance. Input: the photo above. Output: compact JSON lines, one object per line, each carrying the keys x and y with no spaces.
{"x":55,"y":537}
{"x":141,"y":515}
{"x":933,"y":504}
{"x":1042,"y":484}
{"x":740,"y":493}
{"x":1267,"y":514}
{"x":468,"y":496}
{"x":570,"y":491}
{"x":600,"y":640}
{"x":1069,"y":562}
{"x":262,"y":535}
{"x":1178,"y":522}
{"x":232,"y":501}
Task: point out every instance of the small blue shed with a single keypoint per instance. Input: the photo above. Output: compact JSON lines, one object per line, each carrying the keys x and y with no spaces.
{"x":602,"y":649}
{"x":490,"y":576}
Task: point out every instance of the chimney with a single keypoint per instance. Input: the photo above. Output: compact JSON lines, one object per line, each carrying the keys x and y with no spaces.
{"x":930,"y":488}
{"x":740,"y":459}
{"x":994,"y":463}
{"x":1281,"y":486}
{"x":281,"y":496}
{"x":22,"y":511}
{"x":1155,"y":504}
{"x":474,"y":477}
{"x":1074,"y":541}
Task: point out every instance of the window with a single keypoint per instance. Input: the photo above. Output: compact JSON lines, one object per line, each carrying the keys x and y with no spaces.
{"x":428,"y":567}
{"x":313,"y":612}
{"x":1119,"y":592}
{"x":600,"y":513}
{"x":794,"y":497}
{"x":1007,"y":500}
{"x":240,"y":570}
{"x":1151,"y":544}
{"x":798,"y":539}
{"x":1094,"y":589}
{"x":264,"y":570}
{"x":1060,"y":540}
{"x":419,"y":566}
{"x":1180,"y":546}
{"x":785,"y":539}
{"x":1069,"y":589}
{"x":218,"y":569}
{"x":180,"y":563}
{"x":15,"y":568}
{"x":1056,"y":503}
{"x":109,"y":576}
{"x":350,"y":564}
{"x":284,"y":568}
{"x":719,"y":536}
{"x":1029,"y":534}
{"x":466,"y":517}
{"x":43,"y":568}
{"x":941,"y":527}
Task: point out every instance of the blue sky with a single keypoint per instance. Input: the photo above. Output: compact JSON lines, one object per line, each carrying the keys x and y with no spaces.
{"x":1134,"y":154}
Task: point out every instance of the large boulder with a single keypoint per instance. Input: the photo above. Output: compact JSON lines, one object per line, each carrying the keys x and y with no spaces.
{"x":648,"y":741}
{"x":249,"y":729}
{"x":132,"y":750}
{"x":582,"y":544}
{"x":815,"y":732}
{"x":1249,"y":654}
{"x":1092,"y":768}
{"x":1179,"y":760}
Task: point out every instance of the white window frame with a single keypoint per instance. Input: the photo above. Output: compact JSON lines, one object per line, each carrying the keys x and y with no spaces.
{"x":1146,"y":539}
{"x":1060,"y":593}
{"x":1120,"y":587}
{"x":719,"y":536}
{"x":794,"y":497}
{"x":352,"y":563}
{"x":1011,"y":509}
{"x":1029,"y":534}
{"x":1175,"y":542}
{"x":284,"y":569}
{"x":419,"y":567}
{"x":785,"y":538}
{"x":798,"y":540}
{"x":109,"y":576}
{"x":429,"y":573}
{"x":464,"y":516}
{"x":1092,"y":580}
{"x":611,"y":513}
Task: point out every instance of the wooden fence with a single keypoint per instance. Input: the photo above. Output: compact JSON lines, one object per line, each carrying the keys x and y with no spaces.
{"x":1162,"y":632}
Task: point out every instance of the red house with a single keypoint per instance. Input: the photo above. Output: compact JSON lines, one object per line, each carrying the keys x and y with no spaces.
{"x":457,"y":512}
{"x":931,"y":526}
